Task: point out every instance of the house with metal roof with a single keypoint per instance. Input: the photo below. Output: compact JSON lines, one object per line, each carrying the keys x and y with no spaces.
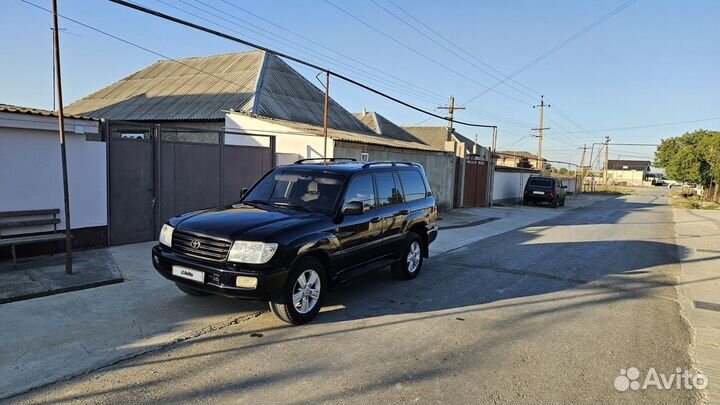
{"x":200,"y":90}
{"x":385,"y":128}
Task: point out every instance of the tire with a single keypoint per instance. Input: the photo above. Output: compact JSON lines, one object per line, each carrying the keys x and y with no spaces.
{"x":525,"y":202}
{"x":554,"y":204}
{"x":191,"y":291}
{"x":562,"y":203}
{"x":297,"y":304}
{"x":408,"y":267}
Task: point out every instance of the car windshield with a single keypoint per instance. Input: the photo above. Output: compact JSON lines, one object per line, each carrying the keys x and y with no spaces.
{"x":300,"y":190}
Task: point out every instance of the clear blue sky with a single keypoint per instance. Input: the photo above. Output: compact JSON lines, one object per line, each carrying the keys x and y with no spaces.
{"x":654,"y":62}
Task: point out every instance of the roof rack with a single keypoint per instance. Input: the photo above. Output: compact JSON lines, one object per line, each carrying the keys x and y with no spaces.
{"x":390,"y":163}
{"x":301,"y":161}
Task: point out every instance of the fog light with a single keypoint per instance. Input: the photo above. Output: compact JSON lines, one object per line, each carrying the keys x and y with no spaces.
{"x":156,"y":259}
{"x":246,"y":282}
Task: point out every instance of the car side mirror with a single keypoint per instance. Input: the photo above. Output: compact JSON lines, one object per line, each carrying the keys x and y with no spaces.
{"x":353,"y":208}
{"x":243,"y":191}
{"x":563,"y":186}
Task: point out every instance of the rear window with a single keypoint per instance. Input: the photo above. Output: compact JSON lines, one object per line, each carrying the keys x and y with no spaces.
{"x":388,"y":192}
{"x":413,"y":185}
{"x":535,"y":182}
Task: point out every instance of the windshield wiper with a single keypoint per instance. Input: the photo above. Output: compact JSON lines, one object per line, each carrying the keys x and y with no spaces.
{"x":292,"y":206}
{"x":255,"y":202}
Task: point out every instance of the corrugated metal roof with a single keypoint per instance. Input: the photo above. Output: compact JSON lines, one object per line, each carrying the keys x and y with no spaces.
{"x":8,"y":108}
{"x":643,"y":165}
{"x":436,"y":136}
{"x":189,"y":89}
{"x":348,"y":136}
{"x":384,"y":127}
{"x":204,"y":88}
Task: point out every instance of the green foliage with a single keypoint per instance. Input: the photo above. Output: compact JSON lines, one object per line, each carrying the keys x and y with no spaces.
{"x":563,"y":171}
{"x":694,"y":156}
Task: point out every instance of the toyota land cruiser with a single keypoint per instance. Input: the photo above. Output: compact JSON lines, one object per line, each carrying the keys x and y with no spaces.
{"x":301,"y":230}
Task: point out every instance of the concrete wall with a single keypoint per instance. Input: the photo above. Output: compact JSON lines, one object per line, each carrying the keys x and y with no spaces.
{"x":508,"y":186}
{"x":626,"y":177}
{"x":439,"y":166}
{"x":30,"y":169}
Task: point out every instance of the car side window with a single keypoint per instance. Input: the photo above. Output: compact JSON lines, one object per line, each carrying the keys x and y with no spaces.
{"x":413,"y":185}
{"x":388,"y":192}
{"x":361,"y":189}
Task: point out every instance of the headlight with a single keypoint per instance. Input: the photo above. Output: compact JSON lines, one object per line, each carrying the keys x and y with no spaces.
{"x":166,"y":235}
{"x":252,"y":252}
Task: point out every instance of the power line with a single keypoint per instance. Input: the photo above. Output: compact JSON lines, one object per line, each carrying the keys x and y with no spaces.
{"x":558,"y":47}
{"x":442,"y":65}
{"x":440,"y":44}
{"x":320,"y":44}
{"x":284,"y":55}
{"x":666,"y":124}
{"x":465,"y":51}
{"x":294,"y":45}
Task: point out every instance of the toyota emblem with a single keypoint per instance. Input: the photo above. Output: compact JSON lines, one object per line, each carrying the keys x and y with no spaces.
{"x":195,"y":244}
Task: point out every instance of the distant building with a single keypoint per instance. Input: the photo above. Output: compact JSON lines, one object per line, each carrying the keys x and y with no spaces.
{"x":521,"y":159}
{"x":628,"y":172}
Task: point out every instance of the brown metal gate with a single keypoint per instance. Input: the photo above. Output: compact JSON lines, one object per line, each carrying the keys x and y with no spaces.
{"x":476,"y":178}
{"x":158,"y":172}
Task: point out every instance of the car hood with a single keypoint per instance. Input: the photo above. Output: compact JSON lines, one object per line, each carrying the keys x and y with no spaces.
{"x":244,"y":222}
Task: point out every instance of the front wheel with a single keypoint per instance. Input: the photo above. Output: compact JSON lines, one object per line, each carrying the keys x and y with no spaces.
{"x":412,"y":259}
{"x":303,"y":294}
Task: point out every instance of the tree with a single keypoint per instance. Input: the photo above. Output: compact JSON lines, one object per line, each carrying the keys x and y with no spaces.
{"x":694,"y":156}
{"x":563,"y":171}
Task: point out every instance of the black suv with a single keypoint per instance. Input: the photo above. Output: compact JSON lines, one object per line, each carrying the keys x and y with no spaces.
{"x":300,"y":230}
{"x":544,"y":189}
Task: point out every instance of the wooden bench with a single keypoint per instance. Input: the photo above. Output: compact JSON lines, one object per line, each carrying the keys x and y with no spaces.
{"x":15,"y":220}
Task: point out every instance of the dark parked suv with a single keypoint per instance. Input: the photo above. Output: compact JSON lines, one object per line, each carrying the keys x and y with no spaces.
{"x":301,"y":230}
{"x":544,"y":189}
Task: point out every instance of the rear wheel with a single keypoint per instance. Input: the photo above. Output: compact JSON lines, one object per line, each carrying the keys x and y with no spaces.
{"x":554,"y":204}
{"x":562,"y":203}
{"x":303,"y":294}
{"x":412,"y":258}
{"x":191,"y":291}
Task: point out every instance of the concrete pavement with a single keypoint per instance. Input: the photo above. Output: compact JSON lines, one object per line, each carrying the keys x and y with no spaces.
{"x":547,"y":313}
{"x":496,"y":220}
{"x":698,"y":237}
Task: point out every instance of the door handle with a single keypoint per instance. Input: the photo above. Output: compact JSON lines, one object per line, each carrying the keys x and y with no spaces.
{"x":403,"y":212}
{"x":375,"y":220}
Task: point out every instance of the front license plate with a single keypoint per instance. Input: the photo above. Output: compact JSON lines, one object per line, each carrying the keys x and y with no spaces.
{"x":539,"y":192}
{"x":190,"y":274}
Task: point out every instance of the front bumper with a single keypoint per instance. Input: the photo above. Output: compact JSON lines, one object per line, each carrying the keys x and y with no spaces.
{"x":220,"y":277}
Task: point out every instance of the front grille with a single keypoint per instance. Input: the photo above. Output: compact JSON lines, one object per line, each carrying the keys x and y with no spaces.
{"x":211,"y":249}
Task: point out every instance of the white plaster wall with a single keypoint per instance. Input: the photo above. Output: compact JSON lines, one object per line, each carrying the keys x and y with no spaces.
{"x":509,"y":186}
{"x":31,"y":174}
{"x":290,"y":144}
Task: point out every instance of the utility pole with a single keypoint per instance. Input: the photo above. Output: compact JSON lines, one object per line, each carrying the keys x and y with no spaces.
{"x":582,"y":169}
{"x":494,"y":141}
{"x":325,"y":116}
{"x":451,"y":111}
{"x":475,"y":146}
{"x":63,"y":154}
{"x":607,"y":152}
{"x":540,"y":131}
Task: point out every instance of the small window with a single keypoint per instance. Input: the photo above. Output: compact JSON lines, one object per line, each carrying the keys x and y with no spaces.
{"x":361,"y":189}
{"x":364,"y":157}
{"x":388,"y":192}
{"x":413,"y":185}
{"x":539,"y":182}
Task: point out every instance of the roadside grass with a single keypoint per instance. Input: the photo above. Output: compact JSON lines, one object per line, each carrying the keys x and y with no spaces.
{"x":680,"y":200}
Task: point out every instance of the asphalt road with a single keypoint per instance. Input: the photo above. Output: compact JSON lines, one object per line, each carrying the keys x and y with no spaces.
{"x":546,"y":313}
